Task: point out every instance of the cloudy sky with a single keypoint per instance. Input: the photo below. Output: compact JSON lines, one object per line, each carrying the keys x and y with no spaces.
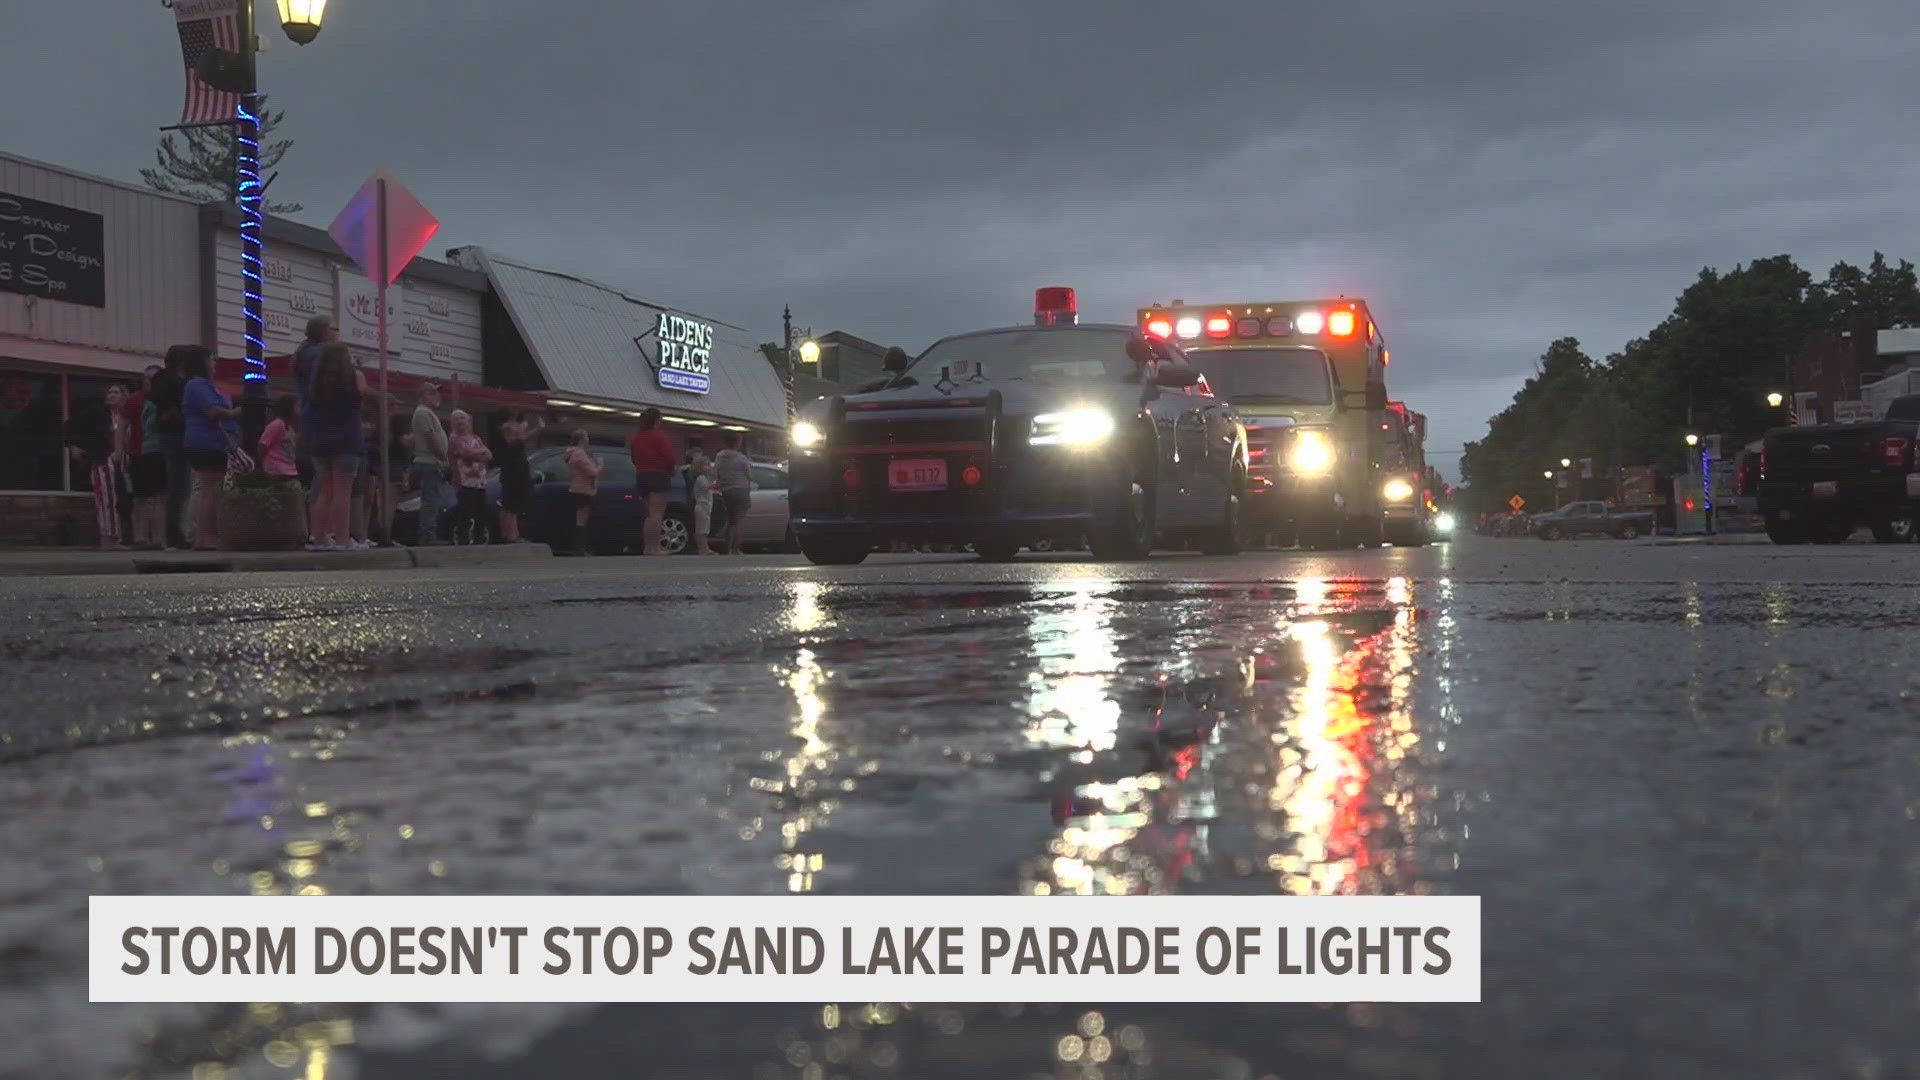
{"x":1489,"y":174}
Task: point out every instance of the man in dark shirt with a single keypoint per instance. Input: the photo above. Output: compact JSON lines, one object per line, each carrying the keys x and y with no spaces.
{"x":320,"y":333}
{"x":165,"y":393}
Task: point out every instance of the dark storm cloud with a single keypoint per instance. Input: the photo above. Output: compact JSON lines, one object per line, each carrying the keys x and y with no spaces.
{"x":1491,"y":175}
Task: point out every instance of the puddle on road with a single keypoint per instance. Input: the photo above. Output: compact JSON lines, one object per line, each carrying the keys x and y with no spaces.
{"x":1081,"y":736}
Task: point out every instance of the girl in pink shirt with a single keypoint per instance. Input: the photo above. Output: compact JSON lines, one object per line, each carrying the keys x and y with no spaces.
{"x":277,"y":441}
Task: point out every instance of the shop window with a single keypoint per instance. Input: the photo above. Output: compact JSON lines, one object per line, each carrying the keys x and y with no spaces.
{"x":30,"y":446}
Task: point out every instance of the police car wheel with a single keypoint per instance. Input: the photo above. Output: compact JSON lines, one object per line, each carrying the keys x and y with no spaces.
{"x":832,"y":550}
{"x":1131,"y":533}
{"x":996,"y":550}
{"x":1227,"y":538}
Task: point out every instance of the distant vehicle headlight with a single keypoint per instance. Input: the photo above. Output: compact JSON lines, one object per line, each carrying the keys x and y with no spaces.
{"x":1397,"y":491}
{"x":1312,"y":454}
{"x":806,"y":435}
{"x":1074,"y":427}
{"x":1443,"y":523}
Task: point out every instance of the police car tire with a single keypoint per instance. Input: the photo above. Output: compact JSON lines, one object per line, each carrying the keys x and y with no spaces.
{"x":1131,"y":538}
{"x":996,"y":550}
{"x":834,"y":550}
{"x":1228,"y":537}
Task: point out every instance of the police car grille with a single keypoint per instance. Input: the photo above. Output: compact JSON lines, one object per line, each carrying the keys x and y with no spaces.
{"x":907,"y":434}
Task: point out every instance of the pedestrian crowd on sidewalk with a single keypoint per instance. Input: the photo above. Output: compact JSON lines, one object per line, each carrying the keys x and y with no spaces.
{"x":161,"y":452}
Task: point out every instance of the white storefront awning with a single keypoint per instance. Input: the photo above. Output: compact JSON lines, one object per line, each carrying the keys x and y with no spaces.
{"x":597,"y":345}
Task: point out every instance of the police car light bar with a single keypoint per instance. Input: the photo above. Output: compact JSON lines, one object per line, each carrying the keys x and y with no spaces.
{"x":1055,"y":305}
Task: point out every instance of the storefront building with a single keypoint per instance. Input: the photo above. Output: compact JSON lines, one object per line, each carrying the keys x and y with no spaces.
{"x":601,"y":356}
{"x":97,"y":279}
{"x":433,"y":310}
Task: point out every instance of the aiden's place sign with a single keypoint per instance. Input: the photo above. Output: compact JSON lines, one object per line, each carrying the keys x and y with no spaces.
{"x":52,"y":252}
{"x":686,"y":354}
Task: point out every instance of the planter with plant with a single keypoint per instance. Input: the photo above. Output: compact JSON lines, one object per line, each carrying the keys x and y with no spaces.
{"x":259,"y":512}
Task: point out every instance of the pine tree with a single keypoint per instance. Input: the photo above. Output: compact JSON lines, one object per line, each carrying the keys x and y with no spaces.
{"x":201,"y":163}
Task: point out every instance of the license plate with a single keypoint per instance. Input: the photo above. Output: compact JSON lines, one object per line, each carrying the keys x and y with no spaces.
{"x":917,"y":474}
{"x":1826,"y":488}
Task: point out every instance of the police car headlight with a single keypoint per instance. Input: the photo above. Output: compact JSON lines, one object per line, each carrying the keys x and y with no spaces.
{"x":1397,"y":491}
{"x":806,"y":435}
{"x":1312,"y":454}
{"x":1075,"y":427}
{"x":1443,"y":523}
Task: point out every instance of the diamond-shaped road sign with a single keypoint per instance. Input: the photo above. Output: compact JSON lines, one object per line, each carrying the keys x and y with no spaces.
{"x":1516,"y":502}
{"x":409,"y":226}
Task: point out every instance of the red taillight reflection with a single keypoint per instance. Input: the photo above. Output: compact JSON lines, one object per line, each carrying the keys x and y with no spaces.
{"x":851,"y":478}
{"x":970,"y":476}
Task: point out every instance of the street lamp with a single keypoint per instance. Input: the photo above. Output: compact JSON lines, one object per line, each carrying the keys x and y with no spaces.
{"x":1548,"y":474}
{"x":1776,"y":399}
{"x":1692,"y":439}
{"x":1566,"y":463}
{"x":301,"y":19}
{"x":809,"y":352}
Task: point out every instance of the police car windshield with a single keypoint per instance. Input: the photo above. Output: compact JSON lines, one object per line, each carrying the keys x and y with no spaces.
{"x":1053,"y":354}
{"x":1282,"y":376}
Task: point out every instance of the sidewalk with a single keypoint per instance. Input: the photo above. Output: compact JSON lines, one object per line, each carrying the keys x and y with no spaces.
{"x":55,"y":562}
{"x":1717,"y":538}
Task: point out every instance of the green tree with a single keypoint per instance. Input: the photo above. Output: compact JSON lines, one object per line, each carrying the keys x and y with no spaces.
{"x":200,"y":162}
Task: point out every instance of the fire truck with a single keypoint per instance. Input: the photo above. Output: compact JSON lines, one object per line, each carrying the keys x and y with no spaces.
{"x":1406,"y":488}
{"x":1309,"y":379}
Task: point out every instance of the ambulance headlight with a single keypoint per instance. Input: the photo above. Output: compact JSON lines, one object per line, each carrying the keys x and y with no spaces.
{"x":1443,"y":523}
{"x":1074,"y":427}
{"x":1312,"y":454}
{"x":1397,"y":490}
{"x":806,"y":435}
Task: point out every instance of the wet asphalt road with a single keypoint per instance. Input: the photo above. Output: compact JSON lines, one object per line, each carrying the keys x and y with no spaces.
{"x":1684,"y":780}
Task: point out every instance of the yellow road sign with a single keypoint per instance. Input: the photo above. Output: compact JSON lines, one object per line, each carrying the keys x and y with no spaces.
{"x":1516,"y":502}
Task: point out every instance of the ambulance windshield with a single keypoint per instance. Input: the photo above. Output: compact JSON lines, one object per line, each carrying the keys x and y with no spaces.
{"x":1280,"y":376}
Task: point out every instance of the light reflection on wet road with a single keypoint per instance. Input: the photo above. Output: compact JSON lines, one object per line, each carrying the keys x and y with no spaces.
{"x":1687,"y":791}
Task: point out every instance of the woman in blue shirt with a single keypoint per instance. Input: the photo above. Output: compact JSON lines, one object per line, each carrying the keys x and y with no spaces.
{"x":210,"y":430}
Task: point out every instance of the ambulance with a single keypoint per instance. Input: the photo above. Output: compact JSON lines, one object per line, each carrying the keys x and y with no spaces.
{"x":1308,"y":377}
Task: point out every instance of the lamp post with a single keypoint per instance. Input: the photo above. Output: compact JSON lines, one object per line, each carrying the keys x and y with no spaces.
{"x":1776,"y":399}
{"x":300,"y":19}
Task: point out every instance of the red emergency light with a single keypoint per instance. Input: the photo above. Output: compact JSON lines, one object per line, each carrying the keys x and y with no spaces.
{"x":1160,"y":326}
{"x":1340,"y":323}
{"x":1689,"y":505}
{"x":1219,"y":326}
{"x":1055,"y":305}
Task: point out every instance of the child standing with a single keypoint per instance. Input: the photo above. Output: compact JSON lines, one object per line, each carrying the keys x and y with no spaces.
{"x":583,"y":483}
{"x":278,"y":453}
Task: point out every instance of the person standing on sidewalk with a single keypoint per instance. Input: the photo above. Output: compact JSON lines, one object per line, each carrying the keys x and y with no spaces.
{"x":699,"y":471}
{"x":653,"y":463}
{"x":733,"y":474}
{"x":211,"y":432}
{"x":166,"y":394}
{"x":430,"y":462}
{"x":470,"y":460}
{"x":333,"y":438}
{"x":516,"y":474}
{"x":306,"y":360}
{"x":150,"y":469}
{"x":583,"y":483}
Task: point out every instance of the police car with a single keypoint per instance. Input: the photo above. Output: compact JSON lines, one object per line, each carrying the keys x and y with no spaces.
{"x":1003,"y":438}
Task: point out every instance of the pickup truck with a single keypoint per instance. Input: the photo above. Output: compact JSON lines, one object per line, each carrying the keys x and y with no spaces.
{"x":1819,"y":483}
{"x":1591,"y":518}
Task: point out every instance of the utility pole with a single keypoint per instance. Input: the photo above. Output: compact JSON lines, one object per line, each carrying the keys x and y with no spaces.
{"x":786,"y":372}
{"x":247,"y":192}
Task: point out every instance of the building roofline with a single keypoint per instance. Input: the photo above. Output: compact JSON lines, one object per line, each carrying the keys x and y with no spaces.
{"x":487,"y":257}
{"x":292,"y":232}
{"x":123,"y":185}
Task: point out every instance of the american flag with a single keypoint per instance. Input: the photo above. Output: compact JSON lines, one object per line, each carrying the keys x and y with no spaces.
{"x":203,"y":26}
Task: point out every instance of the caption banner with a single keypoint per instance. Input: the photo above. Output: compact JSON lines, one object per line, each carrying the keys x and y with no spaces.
{"x":783,"y":949}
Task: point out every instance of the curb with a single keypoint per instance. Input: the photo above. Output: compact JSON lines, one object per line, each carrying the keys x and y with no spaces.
{"x":221,"y":562}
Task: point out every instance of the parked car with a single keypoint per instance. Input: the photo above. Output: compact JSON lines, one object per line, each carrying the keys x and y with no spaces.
{"x":618,"y":516}
{"x":1591,"y":518}
{"x":1819,"y":482}
{"x":767,"y":524}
